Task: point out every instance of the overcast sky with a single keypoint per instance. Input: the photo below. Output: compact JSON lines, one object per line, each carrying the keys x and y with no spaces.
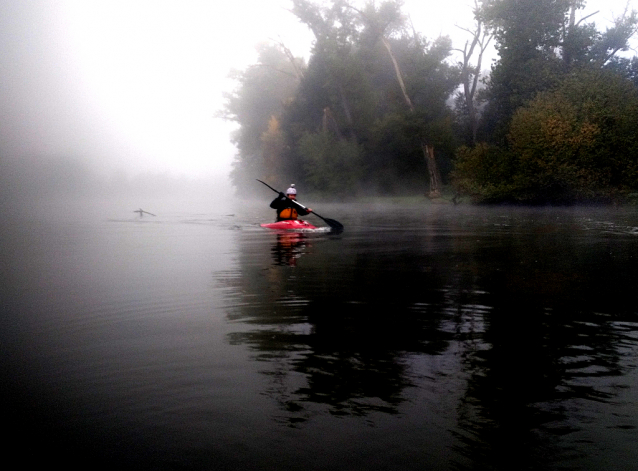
{"x":135,"y":84}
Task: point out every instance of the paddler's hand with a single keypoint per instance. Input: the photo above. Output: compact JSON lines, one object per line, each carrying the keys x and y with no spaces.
{"x":281,"y":194}
{"x":309,"y":210}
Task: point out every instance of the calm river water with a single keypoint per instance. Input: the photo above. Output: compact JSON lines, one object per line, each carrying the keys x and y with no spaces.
{"x":435,"y":337}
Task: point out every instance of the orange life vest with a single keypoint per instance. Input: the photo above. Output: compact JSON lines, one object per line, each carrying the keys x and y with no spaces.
{"x":288,"y":213}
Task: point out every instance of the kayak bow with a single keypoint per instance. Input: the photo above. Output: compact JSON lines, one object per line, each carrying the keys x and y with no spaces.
{"x":293,"y":224}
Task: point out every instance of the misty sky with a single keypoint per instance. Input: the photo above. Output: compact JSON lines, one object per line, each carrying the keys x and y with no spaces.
{"x":134,"y":85}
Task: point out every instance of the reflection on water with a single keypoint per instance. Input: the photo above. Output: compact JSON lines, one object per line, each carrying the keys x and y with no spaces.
{"x":435,"y":338}
{"x":289,"y":247}
{"x":523,"y":322}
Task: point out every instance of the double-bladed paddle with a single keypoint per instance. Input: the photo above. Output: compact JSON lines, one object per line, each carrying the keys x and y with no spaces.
{"x":334,"y":225}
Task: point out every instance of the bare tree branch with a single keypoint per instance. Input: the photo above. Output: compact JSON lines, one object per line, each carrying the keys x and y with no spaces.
{"x":298,"y":72}
{"x":480,"y":38}
{"x":267,"y":66}
{"x":585,"y":17}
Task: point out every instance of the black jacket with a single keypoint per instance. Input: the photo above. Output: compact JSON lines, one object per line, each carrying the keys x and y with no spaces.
{"x":282,"y":202}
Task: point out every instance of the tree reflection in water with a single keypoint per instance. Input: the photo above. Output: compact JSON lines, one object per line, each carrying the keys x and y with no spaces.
{"x":532,"y":326}
{"x":340,"y":341}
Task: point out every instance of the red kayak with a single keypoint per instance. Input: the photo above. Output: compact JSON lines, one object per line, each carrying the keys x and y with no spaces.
{"x":293,"y":224}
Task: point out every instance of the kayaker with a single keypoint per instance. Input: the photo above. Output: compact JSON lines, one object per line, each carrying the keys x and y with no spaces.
{"x":285,"y":205}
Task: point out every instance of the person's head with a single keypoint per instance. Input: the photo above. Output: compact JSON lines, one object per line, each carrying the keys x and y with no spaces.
{"x":291,"y":192}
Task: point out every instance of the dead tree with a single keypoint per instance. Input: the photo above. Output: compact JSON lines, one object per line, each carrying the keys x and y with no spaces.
{"x":470,"y":74}
{"x":299,"y":74}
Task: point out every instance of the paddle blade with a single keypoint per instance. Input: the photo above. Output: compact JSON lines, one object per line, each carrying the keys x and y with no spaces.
{"x":334,"y":225}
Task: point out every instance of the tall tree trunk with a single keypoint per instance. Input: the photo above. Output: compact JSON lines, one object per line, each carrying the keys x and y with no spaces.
{"x":397,"y":71}
{"x":428,"y":151}
{"x":568,"y":34}
{"x":329,"y":123}
{"x":346,"y":110}
{"x":481,"y":39}
{"x":433,"y":170}
{"x":469,"y":96}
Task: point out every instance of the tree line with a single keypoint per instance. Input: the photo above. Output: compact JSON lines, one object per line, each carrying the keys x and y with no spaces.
{"x":380,"y":109}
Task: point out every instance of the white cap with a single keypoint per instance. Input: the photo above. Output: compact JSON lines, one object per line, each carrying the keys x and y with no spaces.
{"x":292,"y":190}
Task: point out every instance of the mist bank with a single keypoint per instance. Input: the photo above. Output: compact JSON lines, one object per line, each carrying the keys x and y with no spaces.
{"x":28,"y":185}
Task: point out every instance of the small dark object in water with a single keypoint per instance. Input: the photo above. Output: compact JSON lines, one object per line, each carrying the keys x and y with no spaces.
{"x":142,"y":212}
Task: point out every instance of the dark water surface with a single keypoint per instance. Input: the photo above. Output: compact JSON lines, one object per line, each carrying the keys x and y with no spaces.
{"x":443,"y":338}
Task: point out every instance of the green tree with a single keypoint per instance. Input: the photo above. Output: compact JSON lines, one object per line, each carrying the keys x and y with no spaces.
{"x":261,"y":93}
{"x":539,"y":42}
{"x":273,"y":145}
{"x":527,"y":35}
{"x":577,"y":143}
{"x":331,"y":165}
{"x":335,"y":69}
{"x":371,"y":100}
{"x":364,"y":68}
{"x":380,"y":22}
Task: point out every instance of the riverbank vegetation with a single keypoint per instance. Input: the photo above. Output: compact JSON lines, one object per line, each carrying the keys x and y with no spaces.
{"x":379,"y":109}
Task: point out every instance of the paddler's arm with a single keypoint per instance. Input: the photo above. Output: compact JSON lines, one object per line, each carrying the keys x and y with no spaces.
{"x":277,"y":202}
{"x":301,"y":209}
